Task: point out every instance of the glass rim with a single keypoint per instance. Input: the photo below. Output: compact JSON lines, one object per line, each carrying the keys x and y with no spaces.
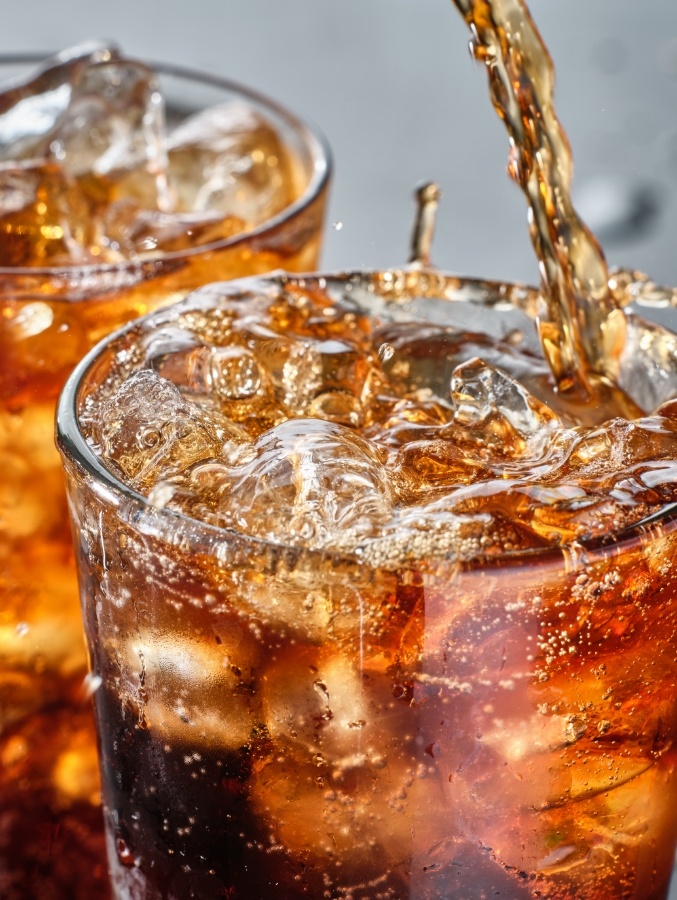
{"x":312,"y":137}
{"x":73,"y":446}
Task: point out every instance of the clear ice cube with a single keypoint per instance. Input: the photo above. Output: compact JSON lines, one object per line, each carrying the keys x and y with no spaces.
{"x":421,"y":358}
{"x":323,"y":701}
{"x":230,"y":159}
{"x":113,"y":136}
{"x":152,"y":433}
{"x":177,"y":684}
{"x":648,"y":365}
{"x":375,"y":817}
{"x":312,"y":482}
{"x":31,"y":107}
{"x":44,"y":218}
{"x":134,"y":232}
{"x":494,"y":409}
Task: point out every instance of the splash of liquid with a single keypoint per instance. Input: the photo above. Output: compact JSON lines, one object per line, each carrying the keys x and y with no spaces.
{"x":585,"y":332}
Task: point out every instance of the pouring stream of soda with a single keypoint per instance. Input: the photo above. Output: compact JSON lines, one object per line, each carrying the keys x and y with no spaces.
{"x":585,"y":332}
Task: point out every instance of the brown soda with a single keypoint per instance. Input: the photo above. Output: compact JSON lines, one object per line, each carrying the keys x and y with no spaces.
{"x":584,"y":331}
{"x":412,"y":665}
{"x":51,"y":834}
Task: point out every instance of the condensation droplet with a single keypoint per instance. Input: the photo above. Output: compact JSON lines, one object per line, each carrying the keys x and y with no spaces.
{"x":91,"y":684}
{"x":385,"y":352}
{"x":337,"y":226}
{"x":22,"y":629}
{"x":125,"y":854}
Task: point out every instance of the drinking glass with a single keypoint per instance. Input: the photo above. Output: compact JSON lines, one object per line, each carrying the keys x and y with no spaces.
{"x":51,"y":838}
{"x":417,"y":719}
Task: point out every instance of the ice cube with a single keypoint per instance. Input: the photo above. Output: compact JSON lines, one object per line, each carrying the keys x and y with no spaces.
{"x":229,"y":375}
{"x":576,"y":838}
{"x":295,"y":604}
{"x":44,"y":218}
{"x":421,"y":358}
{"x":179,"y":356}
{"x":313,"y":482}
{"x":152,"y":433}
{"x":234,"y":373}
{"x":31,"y":107}
{"x":23,"y":511}
{"x":368,"y":826}
{"x":324,"y":702}
{"x":112,"y":138}
{"x":50,"y":643}
{"x":342,"y":371}
{"x":189,"y":691}
{"x":337,"y":406}
{"x":322,"y":378}
{"x":134,"y":232}
{"x":493,"y":409}
{"x":426,"y":467}
{"x":405,"y":421}
{"x":230,"y":159}
{"x":343,"y":366}
{"x":42,"y":344}
{"x":648,"y":365}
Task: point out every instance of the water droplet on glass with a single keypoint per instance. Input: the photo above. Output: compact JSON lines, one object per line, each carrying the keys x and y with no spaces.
{"x":385,"y":352}
{"x":22,"y":629}
{"x":90,"y":684}
{"x":125,"y":854}
{"x":337,"y":226}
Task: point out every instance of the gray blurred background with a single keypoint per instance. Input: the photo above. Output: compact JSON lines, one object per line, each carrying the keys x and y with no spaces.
{"x":393,"y":87}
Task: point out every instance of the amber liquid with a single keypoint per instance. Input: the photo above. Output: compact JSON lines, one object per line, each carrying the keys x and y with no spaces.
{"x":584,"y":334}
{"x":304,"y":729}
{"x":51,"y":831}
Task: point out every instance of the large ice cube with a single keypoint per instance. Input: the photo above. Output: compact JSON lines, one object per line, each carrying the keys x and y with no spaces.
{"x":422,"y":357}
{"x":134,"y":232}
{"x":152,"y":433}
{"x":31,"y":107}
{"x":311,"y":482}
{"x":230,"y":159}
{"x":493,"y":409}
{"x":231,"y":378}
{"x":187,"y":691}
{"x":322,"y":701}
{"x":320,"y":378}
{"x":112,"y":138}
{"x":348,"y":830}
{"x":44,"y":218}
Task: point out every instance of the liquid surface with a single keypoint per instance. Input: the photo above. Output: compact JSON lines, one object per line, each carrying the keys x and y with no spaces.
{"x":290,"y":413}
